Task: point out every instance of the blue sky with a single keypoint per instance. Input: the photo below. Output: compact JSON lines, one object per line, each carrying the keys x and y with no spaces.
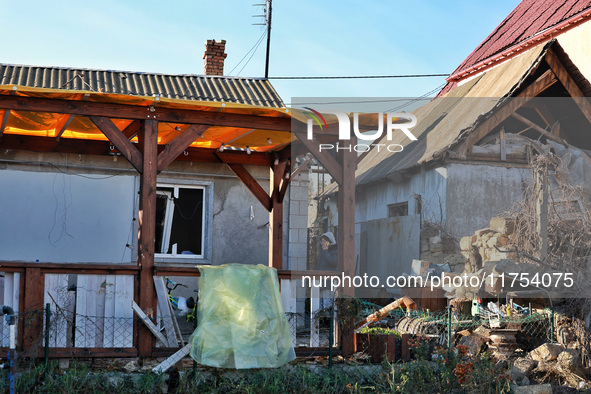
{"x":309,"y":38}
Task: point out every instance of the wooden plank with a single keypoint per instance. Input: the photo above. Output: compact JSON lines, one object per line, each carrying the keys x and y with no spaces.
{"x":276,"y":217}
{"x":164,"y":311}
{"x":288,"y":298}
{"x":108,"y":128}
{"x":5,"y":116}
{"x":314,"y":320}
{"x":101,"y":281}
{"x":141,"y":112}
{"x":512,"y":104}
{"x":81,"y":323}
{"x":172,"y":360}
{"x":252,"y":185}
{"x":148,"y":141}
{"x":179,"y":144}
{"x":123,"y":328}
{"x":146,"y":320}
{"x":73,"y":268}
{"x":327,"y":161}
{"x":537,"y":128}
{"x":109,"y":326}
{"x":57,"y":296}
{"x":33,"y":306}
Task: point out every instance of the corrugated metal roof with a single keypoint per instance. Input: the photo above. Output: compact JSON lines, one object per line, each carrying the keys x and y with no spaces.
{"x":528,"y":19}
{"x":250,"y":91}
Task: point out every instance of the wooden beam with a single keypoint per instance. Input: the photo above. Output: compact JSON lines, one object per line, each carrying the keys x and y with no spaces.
{"x":62,"y":125}
{"x":327,"y":161}
{"x":346,"y":218}
{"x":276,"y":216}
{"x":5,"y":116}
{"x":89,"y":147}
{"x":179,"y":144}
{"x":537,"y":128}
{"x":148,"y":140}
{"x":132,"y":129}
{"x":252,"y":185}
{"x":162,"y":114}
{"x":115,"y":135}
{"x":33,"y":308}
{"x":512,"y":104}
{"x":569,"y":83}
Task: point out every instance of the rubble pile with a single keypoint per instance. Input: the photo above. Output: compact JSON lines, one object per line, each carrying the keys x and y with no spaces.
{"x":439,"y":250}
{"x":489,"y":244}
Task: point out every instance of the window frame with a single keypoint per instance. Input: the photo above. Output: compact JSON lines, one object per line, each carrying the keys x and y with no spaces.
{"x":207,"y":223}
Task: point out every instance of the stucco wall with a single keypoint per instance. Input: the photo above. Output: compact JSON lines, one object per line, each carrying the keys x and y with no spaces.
{"x":477,"y":193}
{"x":94,"y":217}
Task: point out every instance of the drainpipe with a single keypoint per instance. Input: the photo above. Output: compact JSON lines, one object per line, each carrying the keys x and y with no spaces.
{"x":10,"y":318}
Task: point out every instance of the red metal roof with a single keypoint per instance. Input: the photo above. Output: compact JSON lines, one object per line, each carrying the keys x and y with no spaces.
{"x":531,"y":18}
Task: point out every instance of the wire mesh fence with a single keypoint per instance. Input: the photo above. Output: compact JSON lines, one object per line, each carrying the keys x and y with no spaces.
{"x":440,"y":345}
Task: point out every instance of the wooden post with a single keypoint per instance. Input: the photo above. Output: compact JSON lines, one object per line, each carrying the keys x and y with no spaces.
{"x":276,"y":216}
{"x":541,"y":199}
{"x":346,"y":238}
{"x":148,"y":141}
{"x":32,"y":318}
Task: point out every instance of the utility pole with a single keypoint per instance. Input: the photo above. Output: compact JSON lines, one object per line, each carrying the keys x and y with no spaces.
{"x":268,"y":11}
{"x":269,"y":14}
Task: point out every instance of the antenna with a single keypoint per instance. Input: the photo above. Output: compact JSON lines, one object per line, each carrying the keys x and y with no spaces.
{"x":267,"y":13}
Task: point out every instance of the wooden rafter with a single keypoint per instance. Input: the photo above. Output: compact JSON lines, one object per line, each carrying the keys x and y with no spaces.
{"x":537,"y":128}
{"x":328,"y":162}
{"x":513,"y":103}
{"x":179,"y":144}
{"x":132,"y":129}
{"x":162,"y":114}
{"x":569,"y":83}
{"x":115,"y":135}
{"x":62,"y":125}
{"x":252,"y":185}
{"x":5,"y":116}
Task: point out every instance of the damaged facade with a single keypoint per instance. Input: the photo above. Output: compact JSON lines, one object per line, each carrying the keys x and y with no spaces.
{"x":476,"y":140}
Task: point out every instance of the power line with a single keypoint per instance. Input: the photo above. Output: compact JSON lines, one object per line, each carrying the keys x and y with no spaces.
{"x":368,"y":76}
{"x":256,"y":45}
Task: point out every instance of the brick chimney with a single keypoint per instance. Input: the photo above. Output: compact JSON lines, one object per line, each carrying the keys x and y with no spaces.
{"x":214,"y":57}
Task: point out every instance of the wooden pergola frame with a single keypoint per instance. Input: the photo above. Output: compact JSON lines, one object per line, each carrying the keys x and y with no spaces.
{"x":149,"y":158}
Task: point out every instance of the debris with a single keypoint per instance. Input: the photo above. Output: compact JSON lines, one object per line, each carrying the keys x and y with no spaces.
{"x":546,"y":352}
{"x":522,"y":367}
{"x":568,"y":361}
{"x":379,"y":315}
{"x":535,"y":389}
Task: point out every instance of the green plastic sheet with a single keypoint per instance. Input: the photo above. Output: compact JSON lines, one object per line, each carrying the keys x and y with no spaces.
{"x":241,"y":321}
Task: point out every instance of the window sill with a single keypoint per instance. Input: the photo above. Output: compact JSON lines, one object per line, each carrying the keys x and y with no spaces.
{"x":180,"y":261}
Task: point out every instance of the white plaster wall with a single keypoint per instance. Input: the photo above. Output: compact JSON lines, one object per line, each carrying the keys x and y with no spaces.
{"x":55,"y":217}
{"x":477,"y":193}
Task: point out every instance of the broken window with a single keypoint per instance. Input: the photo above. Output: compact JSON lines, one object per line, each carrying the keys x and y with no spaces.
{"x":180,"y":225}
{"x":396,"y":210}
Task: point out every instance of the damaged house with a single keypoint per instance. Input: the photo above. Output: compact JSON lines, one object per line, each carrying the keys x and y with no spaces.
{"x":113,"y":179}
{"x":520,"y":94}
